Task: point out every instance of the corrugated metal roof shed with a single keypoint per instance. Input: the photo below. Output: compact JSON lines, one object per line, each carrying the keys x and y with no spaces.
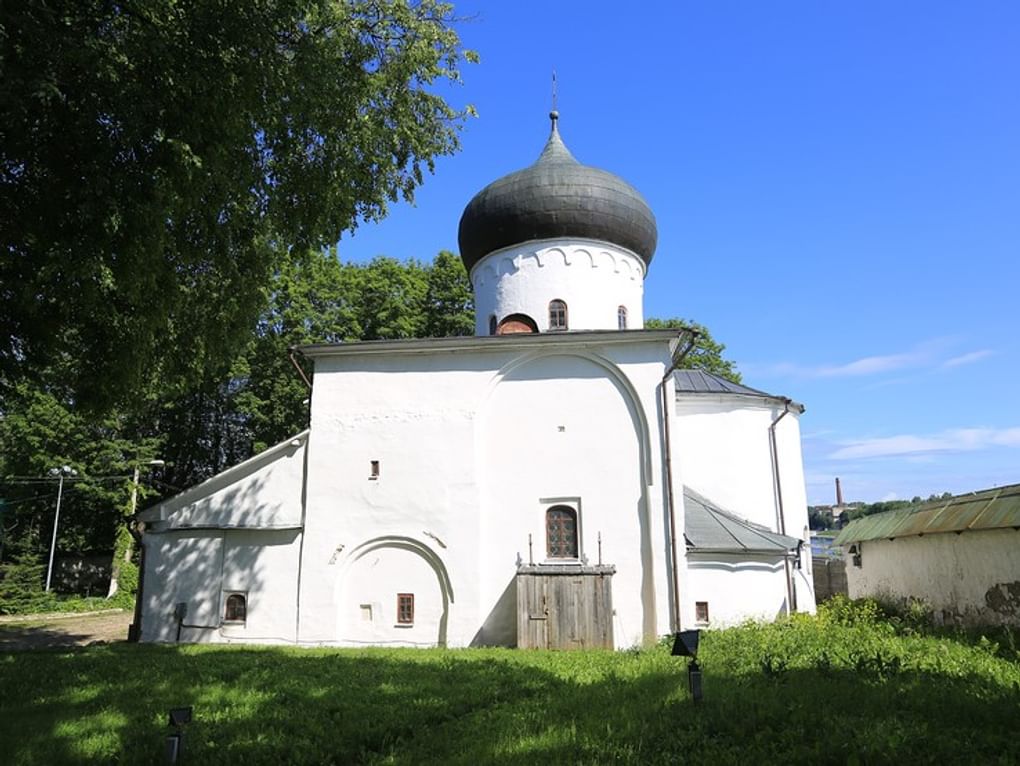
{"x":997,"y":508}
{"x":708,"y":528}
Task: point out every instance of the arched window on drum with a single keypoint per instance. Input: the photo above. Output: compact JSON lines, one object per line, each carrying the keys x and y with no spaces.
{"x":557,"y":315}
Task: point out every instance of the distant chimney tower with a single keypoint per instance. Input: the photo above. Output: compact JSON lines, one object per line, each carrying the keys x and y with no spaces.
{"x":839,"y":493}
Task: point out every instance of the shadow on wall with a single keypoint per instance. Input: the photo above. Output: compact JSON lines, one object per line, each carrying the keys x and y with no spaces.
{"x":500,"y":627}
{"x":198,"y":567}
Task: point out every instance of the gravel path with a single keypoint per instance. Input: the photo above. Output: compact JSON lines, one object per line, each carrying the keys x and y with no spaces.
{"x":43,"y":631}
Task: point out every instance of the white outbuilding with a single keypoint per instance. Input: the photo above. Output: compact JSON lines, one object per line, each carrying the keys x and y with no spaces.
{"x":558,"y":480}
{"x":958,"y":557}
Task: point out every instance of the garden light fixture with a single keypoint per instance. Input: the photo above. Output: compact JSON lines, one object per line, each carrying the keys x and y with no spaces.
{"x":686,"y":645}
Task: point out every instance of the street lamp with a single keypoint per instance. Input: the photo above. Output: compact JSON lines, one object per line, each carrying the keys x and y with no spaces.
{"x":61,"y":472}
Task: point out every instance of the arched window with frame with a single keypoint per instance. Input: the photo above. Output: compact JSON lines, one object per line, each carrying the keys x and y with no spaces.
{"x":557,"y":314}
{"x":561,"y":532}
{"x":492,"y":324}
{"x":621,"y":318}
{"x":236,"y":608}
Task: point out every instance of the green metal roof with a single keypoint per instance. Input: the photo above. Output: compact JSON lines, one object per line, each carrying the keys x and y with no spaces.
{"x":710,"y":529}
{"x":997,"y":508}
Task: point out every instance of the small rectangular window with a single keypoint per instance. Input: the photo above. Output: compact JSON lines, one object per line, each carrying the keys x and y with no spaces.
{"x":701,"y":611}
{"x":405,"y":608}
{"x":366,"y":613}
{"x":374,"y":469}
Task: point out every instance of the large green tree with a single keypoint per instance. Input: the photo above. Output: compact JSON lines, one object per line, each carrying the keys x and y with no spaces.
{"x":317,"y":299}
{"x":706,"y":352}
{"x":156,"y":157}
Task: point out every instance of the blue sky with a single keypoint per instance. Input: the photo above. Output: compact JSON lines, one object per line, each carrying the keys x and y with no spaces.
{"x":837,"y":188}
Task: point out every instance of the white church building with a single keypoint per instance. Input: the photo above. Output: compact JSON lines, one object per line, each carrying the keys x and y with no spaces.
{"x":558,"y":480}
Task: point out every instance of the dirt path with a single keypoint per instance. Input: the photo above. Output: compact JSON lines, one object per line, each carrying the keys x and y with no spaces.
{"x":46,"y":631}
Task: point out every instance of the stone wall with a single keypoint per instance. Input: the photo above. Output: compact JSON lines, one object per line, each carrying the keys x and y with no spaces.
{"x":830,"y":577}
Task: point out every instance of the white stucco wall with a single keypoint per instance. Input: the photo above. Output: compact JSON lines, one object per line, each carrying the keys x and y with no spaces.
{"x":263,"y":492}
{"x":471,"y":453}
{"x":200,"y":567}
{"x":722,"y":442}
{"x":737,"y":588}
{"x":237,"y":532}
{"x":971,"y":578}
{"x":474,"y":442}
{"x":593,"y":278}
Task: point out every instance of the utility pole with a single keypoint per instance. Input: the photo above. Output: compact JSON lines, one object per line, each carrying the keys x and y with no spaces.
{"x":61,"y":472}
{"x":129,"y":548}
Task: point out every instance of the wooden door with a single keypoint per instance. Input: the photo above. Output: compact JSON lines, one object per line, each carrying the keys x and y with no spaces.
{"x":565,"y":608}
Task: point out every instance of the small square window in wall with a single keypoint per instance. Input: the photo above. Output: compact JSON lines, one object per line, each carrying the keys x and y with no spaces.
{"x":701,"y":611}
{"x":236,"y":609}
{"x":405,"y":608}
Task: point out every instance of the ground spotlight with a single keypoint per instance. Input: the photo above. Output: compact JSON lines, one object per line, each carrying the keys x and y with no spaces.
{"x":179,"y":716}
{"x":686,"y":645}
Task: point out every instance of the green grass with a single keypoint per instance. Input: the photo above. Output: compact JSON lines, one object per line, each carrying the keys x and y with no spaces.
{"x":847,"y":687}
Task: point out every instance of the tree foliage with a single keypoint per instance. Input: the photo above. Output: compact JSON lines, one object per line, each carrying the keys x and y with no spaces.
{"x":317,"y":299}
{"x":707,"y":352}
{"x":156,"y":157}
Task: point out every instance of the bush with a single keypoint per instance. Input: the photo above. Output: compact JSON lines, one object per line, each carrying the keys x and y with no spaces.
{"x":22,"y":588}
{"x":841,"y":610}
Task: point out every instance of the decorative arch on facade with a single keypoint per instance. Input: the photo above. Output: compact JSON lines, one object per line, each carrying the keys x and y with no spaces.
{"x":411,"y":545}
{"x":632,"y":401}
{"x":623,"y":384}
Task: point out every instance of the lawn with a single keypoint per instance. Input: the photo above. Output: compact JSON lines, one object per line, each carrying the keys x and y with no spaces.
{"x":846,"y":687}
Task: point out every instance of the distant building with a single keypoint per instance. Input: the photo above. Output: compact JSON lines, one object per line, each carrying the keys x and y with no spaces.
{"x":960,"y":556}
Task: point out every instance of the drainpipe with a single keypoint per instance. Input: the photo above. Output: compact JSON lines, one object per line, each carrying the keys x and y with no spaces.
{"x":677,"y":359}
{"x":304,"y":499}
{"x":780,"y":516}
{"x":293,"y":360}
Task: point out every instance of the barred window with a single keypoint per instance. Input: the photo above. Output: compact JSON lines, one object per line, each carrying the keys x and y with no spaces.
{"x":561,"y":532}
{"x":701,"y":611}
{"x":405,"y":608}
{"x":621,"y":318}
{"x":557,"y":315}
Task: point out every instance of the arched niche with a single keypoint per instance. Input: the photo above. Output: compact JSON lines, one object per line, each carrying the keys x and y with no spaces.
{"x":372,"y":583}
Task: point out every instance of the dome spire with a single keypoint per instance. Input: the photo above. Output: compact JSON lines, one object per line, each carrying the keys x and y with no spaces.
{"x":554,"y":115}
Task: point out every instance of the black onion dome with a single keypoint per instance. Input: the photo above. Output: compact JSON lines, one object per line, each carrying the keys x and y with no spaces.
{"x":557,"y":197}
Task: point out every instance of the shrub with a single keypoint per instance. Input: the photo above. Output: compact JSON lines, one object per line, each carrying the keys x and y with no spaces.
{"x":22,"y":586}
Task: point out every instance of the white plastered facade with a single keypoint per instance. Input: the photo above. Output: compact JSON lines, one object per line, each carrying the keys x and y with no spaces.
{"x":970,"y":578}
{"x":594,"y":279}
{"x":428,"y":469}
{"x":724,"y":443}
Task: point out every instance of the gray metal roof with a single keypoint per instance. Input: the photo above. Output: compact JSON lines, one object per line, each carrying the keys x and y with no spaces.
{"x":702,"y":382}
{"x":997,"y":508}
{"x":556,"y":197}
{"x":710,"y":529}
